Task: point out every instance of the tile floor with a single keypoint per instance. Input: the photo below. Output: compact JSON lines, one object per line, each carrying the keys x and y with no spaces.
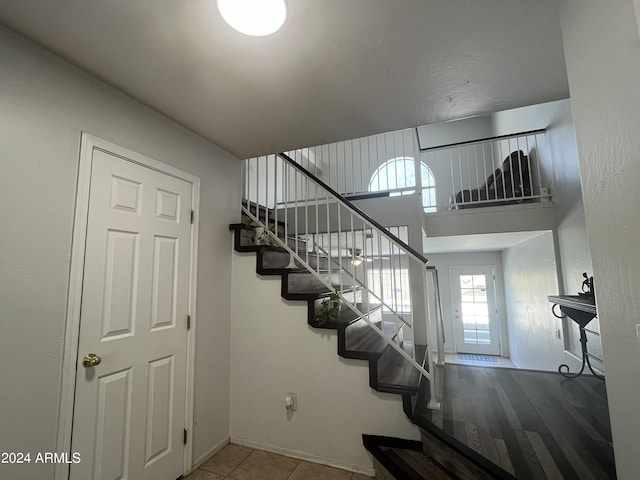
{"x":235,"y":462}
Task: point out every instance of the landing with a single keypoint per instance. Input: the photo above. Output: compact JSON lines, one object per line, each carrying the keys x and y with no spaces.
{"x":523,"y":217}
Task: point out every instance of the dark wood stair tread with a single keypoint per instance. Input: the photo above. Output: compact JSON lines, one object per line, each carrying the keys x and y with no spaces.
{"x":286,"y":271}
{"x":433,"y":458}
{"x":403,"y":459}
{"x":347,"y":315}
{"x":276,"y":248}
{"x":396,"y":373}
{"x":362,"y":339}
{"x":304,"y":285}
{"x":304,"y":282}
{"x":417,"y":465}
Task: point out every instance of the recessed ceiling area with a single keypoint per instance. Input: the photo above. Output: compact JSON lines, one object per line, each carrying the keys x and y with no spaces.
{"x":336,"y":70}
{"x":487,"y":242}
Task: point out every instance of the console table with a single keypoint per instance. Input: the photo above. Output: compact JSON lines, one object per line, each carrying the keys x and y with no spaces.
{"x":581,"y":309}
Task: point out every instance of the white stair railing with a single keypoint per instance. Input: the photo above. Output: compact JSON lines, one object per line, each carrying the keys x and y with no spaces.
{"x":362,"y":254}
{"x":348,"y":166}
{"x":439,"y":319}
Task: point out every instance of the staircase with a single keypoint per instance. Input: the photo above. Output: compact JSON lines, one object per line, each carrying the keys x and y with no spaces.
{"x":389,"y":371}
{"x":337,"y":259}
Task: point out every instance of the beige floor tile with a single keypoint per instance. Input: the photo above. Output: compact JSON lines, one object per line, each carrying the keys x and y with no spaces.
{"x":314,"y":471}
{"x":204,"y":475}
{"x":264,"y":466}
{"x":227,"y":459}
{"x":358,"y":476}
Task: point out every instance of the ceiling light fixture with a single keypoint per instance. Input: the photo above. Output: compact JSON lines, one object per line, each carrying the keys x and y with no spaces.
{"x":254,"y":17}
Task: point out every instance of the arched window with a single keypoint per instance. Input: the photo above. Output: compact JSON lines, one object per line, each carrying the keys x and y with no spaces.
{"x":398,"y":177}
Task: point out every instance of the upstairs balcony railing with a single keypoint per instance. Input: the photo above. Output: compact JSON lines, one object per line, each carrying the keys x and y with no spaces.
{"x":494,"y":171}
{"x":491,"y":171}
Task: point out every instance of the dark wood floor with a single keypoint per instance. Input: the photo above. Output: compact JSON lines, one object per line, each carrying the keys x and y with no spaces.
{"x":535,"y":425}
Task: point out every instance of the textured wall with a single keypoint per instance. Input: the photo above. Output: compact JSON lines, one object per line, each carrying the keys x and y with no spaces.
{"x":44,"y":106}
{"x":572,"y":239}
{"x":602,"y":50}
{"x":529,"y":276}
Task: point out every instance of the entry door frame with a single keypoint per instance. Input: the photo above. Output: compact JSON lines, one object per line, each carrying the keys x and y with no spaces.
{"x":89,"y":143}
{"x":458,"y":334}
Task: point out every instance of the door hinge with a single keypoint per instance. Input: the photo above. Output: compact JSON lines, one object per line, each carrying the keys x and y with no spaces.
{"x":184,"y":439}
{"x":188,"y":322}
{"x":193,"y":216}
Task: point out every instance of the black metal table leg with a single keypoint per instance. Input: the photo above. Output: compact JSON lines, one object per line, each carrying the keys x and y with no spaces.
{"x":585,"y":360}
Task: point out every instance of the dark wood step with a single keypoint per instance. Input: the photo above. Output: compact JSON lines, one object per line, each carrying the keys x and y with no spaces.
{"x":276,"y":259}
{"x":465,"y":464}
{"x":433,"y":458}
{"x":347,"y":316}
{"x":395,"y":373}
{"x":417,"y":465}
{"x":243,"y":241}
{"x":305,"y":283}
{"x":362,"y":342}
{"x":400,"y":459}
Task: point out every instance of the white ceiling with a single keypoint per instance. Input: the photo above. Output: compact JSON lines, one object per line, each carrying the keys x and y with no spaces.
{"x":338,"y":69}
{"x":487,"y":242}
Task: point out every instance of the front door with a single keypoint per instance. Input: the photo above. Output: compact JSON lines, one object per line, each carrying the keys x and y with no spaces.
{"x":129,"y":410}
{"x":474,"y":310}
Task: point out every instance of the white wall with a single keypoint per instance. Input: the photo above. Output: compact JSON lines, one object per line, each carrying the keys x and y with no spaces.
{"x":455,"y":131}
{"x":363,"y":157}
{"x":602,"y":51}
{"x":273,"y":352}
{"x":45,"y":104}
{"x":529,"y":276}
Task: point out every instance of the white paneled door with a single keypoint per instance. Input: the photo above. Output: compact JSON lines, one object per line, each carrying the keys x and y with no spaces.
{"x":129,"y":411}
{"x":474,"y":310}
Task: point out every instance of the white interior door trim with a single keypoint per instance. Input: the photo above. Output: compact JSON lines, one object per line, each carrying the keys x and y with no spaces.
{"x":458,"y":334}
{"x":89,"y":143}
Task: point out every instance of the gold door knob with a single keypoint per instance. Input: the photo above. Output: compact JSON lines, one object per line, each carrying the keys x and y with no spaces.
{"x":91,"y":360}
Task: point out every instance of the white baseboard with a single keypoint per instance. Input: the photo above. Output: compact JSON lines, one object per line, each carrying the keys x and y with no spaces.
{"x":209,"y":453}
{"x":309,"y":457}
